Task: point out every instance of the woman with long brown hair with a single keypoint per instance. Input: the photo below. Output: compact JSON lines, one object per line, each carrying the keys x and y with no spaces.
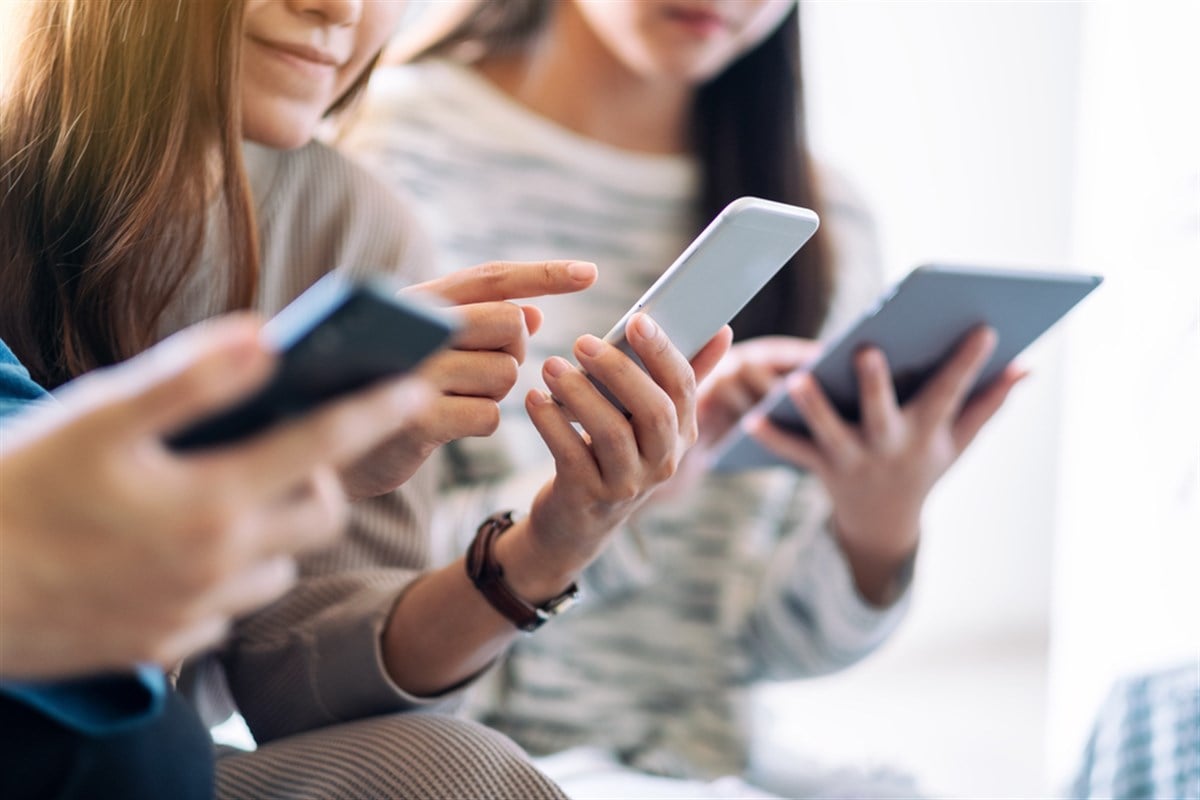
{"x":131,"y":207}
{"x":618,"y":130}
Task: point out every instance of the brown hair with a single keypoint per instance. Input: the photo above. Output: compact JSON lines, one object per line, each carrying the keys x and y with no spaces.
{"x":119,"y":130}
{"x":747,"y":130}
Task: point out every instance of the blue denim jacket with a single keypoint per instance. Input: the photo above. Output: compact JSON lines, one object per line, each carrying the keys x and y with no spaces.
{"x":96,"y":704}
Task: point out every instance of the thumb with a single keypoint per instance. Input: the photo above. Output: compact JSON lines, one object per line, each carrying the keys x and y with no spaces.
{"x":190,"y":375}
{"x":709,"y":355}
{"x":533,"y":318}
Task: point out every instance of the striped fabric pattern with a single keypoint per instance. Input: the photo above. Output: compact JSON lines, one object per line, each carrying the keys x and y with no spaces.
{"x":302,"y":670}
{"x":740,"y":582}
{"x":1146,"y":741}
{"x":409,"y":756}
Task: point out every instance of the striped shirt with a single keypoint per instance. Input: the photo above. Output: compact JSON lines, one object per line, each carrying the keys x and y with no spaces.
{"x":739,"y":583}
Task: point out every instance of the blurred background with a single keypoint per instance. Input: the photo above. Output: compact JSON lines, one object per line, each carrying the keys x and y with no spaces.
{"x":1064,"y":550}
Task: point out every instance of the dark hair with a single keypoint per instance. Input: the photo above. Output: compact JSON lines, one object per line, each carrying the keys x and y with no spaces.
{"x":115,"y":120}
{"x":748,"y":132}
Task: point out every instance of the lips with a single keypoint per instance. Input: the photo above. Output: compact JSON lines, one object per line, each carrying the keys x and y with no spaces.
{"x":698,"y":20}
{"x":302,"y":52}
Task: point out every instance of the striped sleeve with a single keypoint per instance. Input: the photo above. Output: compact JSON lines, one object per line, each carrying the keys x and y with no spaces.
{"x":810,"y":619}
{"x":314,"y":657}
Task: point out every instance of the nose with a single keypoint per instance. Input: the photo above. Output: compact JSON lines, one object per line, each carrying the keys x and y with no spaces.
{"x":330,"y":12}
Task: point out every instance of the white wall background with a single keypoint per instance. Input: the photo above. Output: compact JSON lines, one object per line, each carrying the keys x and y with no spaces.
{"x":1062,"y":551}
{"x":957,"y":120}
{"x":1127,"y":590}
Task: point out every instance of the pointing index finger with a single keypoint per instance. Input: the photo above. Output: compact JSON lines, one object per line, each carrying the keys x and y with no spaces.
{"x":510,"y":280}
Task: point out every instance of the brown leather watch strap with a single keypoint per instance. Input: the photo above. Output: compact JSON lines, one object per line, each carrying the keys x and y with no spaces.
{"x":488,"y":576}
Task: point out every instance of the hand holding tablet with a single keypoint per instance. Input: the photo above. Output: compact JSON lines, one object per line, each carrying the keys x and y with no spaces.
{"x":917,"y":325}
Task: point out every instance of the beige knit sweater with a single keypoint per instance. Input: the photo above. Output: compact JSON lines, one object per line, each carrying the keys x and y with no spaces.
{"x":311,"y":663}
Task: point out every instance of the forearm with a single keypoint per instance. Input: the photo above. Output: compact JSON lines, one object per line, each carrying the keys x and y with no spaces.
{"x":314,"y":657}
{"x":442,"y":631}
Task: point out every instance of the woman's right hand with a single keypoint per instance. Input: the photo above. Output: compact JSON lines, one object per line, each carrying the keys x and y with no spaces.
{"x":474,"y":374}
{"x":119,"y":550}
{"x":608,"y":467}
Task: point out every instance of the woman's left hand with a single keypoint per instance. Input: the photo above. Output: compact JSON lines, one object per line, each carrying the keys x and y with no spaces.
{"x":879,"y":472}
{"x":742,"y":378}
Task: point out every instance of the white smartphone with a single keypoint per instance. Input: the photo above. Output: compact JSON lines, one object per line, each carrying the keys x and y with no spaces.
{"x":918,"y":324}
{"x":719,"y":273}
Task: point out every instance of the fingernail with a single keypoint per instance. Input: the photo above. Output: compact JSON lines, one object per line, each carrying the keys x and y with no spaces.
{"x":589,"y":345}
{"x":581,"y":270}
{"x":539,"y":398}
{"x":556,"y":366}
{"x":646,"y":327}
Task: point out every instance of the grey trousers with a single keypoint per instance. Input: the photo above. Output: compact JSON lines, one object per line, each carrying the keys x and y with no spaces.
{"x":397,"y":756}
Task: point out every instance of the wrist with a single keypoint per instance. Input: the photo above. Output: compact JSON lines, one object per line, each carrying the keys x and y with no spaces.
{"x":531,"y":572}
{"x":881,"y":569}
{"x":488,"y":574}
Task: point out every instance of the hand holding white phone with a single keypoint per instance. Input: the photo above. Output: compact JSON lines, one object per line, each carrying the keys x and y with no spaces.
{"x":720,"y":272}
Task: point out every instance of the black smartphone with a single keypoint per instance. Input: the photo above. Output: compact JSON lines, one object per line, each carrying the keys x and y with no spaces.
{"x":341,"y":335}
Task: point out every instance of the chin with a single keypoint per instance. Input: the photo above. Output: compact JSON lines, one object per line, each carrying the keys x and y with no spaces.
{"x":280,"y":131}
{"x":693,"y":70}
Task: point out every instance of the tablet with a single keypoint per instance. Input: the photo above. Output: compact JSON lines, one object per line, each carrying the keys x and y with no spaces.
{"x":918,"y":324}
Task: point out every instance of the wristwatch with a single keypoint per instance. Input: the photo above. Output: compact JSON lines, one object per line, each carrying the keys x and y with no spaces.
{"x":488,"y":577}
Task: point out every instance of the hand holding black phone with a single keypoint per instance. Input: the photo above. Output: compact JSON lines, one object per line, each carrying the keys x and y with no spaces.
{"x":340,"y":336}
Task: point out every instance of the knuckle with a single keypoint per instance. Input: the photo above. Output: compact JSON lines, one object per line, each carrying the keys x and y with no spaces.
{"x":666,"y":470}
{"x":687,"y":383}
{"x":507,"y":374}
{"x":487,"y":419}
{"x":609,"y":437}
{"x":625,"y":491}
{"x":661,"y":418}
{"x":690,"y":433}
{"x":571,"y":462}
{"x":491,"y":272}
{"x":513,"y":321}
